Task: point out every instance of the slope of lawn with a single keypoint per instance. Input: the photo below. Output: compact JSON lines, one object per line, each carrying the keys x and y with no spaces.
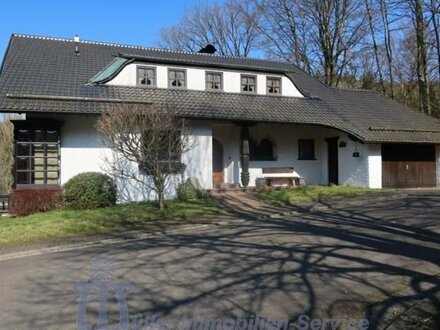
{"x":65,"y":223}
{"x":314,"y":193}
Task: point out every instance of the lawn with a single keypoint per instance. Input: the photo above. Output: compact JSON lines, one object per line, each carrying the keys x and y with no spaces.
{"x":314,"y":193}
{"x":66,"y":223}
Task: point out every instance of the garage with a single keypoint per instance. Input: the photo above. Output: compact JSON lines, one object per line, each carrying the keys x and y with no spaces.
{"x":408,"y":165}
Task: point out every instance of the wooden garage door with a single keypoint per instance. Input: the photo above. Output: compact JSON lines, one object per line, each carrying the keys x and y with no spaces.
{"x":408,"y":165}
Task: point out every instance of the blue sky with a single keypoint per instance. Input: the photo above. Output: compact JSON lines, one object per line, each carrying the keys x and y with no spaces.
{"x":131,"y":22}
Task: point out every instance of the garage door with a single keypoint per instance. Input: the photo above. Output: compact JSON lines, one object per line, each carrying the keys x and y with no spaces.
{"x":408,"y":165}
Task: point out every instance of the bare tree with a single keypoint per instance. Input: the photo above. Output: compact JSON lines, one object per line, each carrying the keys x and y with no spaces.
{"x":417,"y":8}
{"x":225,"y":26}
{"x":385,"y":15}
{"x":321,"y":36}
{"x":152,"y":138}
{"x":371,"y":24}
{"x":6,"y":154}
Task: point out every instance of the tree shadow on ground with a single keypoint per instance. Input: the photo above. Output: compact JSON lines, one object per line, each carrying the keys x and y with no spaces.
{"x":341,"y":261}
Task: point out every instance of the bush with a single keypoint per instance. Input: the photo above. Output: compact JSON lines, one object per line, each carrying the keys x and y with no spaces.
{"x":186,"y":191}
{"x":27,"y":201}
{"x":90,"y":190}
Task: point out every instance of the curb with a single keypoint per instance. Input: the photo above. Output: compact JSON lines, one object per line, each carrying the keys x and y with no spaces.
{"x":105,"y":241}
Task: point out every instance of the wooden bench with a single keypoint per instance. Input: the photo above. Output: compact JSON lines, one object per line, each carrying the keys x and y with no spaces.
{"x":281,"y":176}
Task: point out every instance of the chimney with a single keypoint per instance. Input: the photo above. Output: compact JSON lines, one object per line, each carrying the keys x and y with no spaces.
{"x":76,"y":41}
{"x":208,"y":49}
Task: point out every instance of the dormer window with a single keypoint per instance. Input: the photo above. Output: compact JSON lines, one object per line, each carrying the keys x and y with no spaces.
{"x":273,"y":85}
{"x":248,"y":83}
{"x":176,"y":78}
{"x":146,"y":76}
{"x":214,"y":81}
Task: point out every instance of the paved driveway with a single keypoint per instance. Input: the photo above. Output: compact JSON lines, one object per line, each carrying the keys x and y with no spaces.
{"x":338,"y":261}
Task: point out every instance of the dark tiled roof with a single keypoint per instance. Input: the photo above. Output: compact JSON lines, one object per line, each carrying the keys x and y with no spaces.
{"x":45,"y":75}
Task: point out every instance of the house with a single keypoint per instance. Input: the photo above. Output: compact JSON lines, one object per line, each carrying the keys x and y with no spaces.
{"x":254,"y":120}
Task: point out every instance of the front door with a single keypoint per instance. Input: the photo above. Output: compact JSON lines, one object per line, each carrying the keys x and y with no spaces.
{"x":217,"y":163}
{"x":332,"y":160}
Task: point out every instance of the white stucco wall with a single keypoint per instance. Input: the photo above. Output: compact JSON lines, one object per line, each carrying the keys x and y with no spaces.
{"x":375,"y":166}
{"x":285,"y":137}
{"x":195,"y":79}
{"x":81,"y":151}
{"x":364,"y":171}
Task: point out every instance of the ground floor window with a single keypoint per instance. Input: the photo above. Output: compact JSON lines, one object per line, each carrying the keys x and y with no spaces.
{"x":306,"y":149}
{"x":37,"y":153}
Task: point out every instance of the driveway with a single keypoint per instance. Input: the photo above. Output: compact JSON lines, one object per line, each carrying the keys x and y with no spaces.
{"x":370,"y":259}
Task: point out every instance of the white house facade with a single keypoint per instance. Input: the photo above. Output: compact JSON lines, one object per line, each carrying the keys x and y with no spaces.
{"x":253,"y":121}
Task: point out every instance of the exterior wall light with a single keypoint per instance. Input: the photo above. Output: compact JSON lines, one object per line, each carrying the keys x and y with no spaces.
{"x":355,"y":152}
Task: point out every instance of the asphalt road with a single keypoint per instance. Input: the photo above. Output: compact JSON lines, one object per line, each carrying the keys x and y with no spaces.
{"x":341,"y":261}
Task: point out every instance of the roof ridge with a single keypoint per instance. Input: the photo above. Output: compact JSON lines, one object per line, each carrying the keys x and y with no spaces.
{"x":352,"y":89}
{"x":113,"y":44}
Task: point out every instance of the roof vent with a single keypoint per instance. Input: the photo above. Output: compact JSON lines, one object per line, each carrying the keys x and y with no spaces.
{"x":76,"y":41}
{"x":208,"y":49}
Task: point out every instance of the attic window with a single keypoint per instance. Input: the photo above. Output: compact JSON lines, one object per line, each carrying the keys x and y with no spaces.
{"x":146,"y":76}
{"x":273,"y":85}
{"x":176,"y":78}
{"x":248,"y":84}
{"x":214,"y":81}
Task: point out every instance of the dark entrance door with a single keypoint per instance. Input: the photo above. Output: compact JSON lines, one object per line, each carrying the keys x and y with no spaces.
{"x":408,"y":165}
{"x":217,"y":163}
{"x":332,"y":160}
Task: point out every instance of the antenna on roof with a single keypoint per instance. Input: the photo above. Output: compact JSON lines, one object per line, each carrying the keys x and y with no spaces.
{"x":76,"y":41}
{"x":208,"y":49}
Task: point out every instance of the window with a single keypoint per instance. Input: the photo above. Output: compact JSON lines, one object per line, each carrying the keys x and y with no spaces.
{"x":214,"y":81}
{"x":263,"y":152}
{"x":146,"y":76}
{"x":162,"y":150}
{"x":306,"y":149}
{"x":176,"y":78}
{"x":273,"y":85}
{"x":37,"y":156}
{"x":248,"y":84}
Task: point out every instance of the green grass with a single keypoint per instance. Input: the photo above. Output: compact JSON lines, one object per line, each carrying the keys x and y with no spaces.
{"x":65,"y":223}
{"x":313,"y":193}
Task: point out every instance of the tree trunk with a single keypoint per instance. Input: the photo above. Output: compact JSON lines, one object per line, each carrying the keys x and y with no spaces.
{"x":375,"y":48}
{"x":388,"y":45}
{"x":422,"y":76}
{"x":162,"y":202}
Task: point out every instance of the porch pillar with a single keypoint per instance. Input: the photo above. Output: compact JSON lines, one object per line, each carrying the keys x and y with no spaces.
{"x":244,"y":155}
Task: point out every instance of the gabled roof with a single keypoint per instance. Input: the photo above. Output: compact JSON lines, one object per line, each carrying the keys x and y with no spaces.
{"x":42,"y":74}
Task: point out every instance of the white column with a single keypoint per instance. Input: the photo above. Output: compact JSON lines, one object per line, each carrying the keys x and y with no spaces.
{"x":374,"y":166}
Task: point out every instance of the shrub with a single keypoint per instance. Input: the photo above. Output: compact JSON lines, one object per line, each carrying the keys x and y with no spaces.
{"x":187,"y":191}
{"x":89,"y":190}
{"x":27,"y":201}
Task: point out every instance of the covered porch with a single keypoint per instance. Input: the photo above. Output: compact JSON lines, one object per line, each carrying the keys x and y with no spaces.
{"x":246,"y":154}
